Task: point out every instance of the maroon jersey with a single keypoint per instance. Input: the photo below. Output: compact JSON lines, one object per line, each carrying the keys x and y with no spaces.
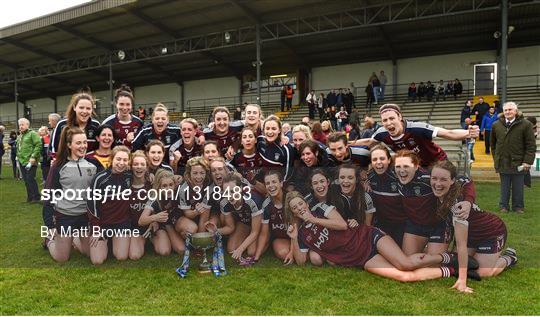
{"x":419,"y":202}
{"x":244,"y":214}
{"x":386,"y":197}
{"x":231,"y":138}
{"x":111,"y":209}
{"x":351,"y":247}
{"x":189,"y":196}
{"x":417,"y":137}
{"x":273,"y":216}
{"x":179,"y":145}
{"x":482,"y":226}
{"x":250,"y":166}
{"x":136,"y":205}
{"x":121,"y":128}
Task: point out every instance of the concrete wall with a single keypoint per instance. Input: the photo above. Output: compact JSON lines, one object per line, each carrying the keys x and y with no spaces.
{"x":521,"y":61}
{"x":211,"y":88}
{"x":158,"y":93}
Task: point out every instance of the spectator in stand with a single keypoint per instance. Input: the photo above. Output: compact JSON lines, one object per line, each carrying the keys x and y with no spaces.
{"x":282,"y":98}
{"x":376,"y":84}
{"x":354,"y":117}
{"x":440,"y":90}
{"x":383,"y":80}
{"x":321,"y":105}
{"x":355,"y":132}
{"x":2,"y":151}
{"x":290,"y":94}
{"x":498,"y":107}
{"x":370,"y":126}
{"x":53,"y":120}
{"x":342,"y":119}
{"x":369,"y":96}
{"x":327,"y":128}
{"x":412,"y":92}
{"x":485,"y":127}
{"x":237,"y":113}
{"x":287,"y":131}
{"x":331,"y":98}
{"x":141,"y":113}
{"x":332,"y":116}
{"x":480,"y":109}
{"x":465,"y":113}
{"x":430,"y":91}
{"x":449,"y":89}
{"x":12,"y":142}
{"x":45,"y":158}
{"x":458,"y":88}
{"x":317,"y":132}
{"x":339,"y":98}
{"x":29,"y":155}
{"x":350,"y":101}
{"x":311,"y":101}
{"x":421,"y":91}
{"x":513,"y":147}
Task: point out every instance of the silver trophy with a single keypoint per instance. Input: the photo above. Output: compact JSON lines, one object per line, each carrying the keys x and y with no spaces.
{"x":202,"y":241}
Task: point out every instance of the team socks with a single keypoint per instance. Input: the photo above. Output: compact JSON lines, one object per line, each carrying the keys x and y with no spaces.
{"x":510,"y":256}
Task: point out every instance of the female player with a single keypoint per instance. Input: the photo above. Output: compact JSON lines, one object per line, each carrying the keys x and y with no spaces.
{"x":311,"y":156}
{"x":193,"y":201}
{"x":218,"y":171}
{"x":273,"y":153}
{"x":70,"y":171}
{"x":274,"y":229}
{"x":359,"y":206}
{"x":161,"y":214}
{"x":185,"y":148}
{"x":139,"y":188}
{"x":155,"y":152}
{"x":105,"y":138}
{"x":383,"y":188}
{"x":399,"y":134}
{"x":247,"y":215}
{"x":78,"y":114}
{"x":483,"y":235}
{"x":111,"y":212}
{"x":325,"y":232}
{"x":300,"y":133}
{"x":248,"y":162}
{"x":423,"y":226}
{"x":254,"y":118}
{"x":224,"y":132}
{"x":124,"y":124}
{"x":159,"y":129}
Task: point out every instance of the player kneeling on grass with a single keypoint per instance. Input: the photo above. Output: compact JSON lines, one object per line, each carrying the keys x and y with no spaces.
{"x":324,"y":231}
{"x":247,"y":216}
{"x":274,"y":228}
{"x":482,"y":235}
{"x":139,"y":188}
{"x":161,"y":213}
{"x":110,"y":216}
{"x":69,"y":172}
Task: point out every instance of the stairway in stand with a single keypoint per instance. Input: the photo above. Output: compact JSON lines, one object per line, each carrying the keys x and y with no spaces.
{"x":482,"y":167}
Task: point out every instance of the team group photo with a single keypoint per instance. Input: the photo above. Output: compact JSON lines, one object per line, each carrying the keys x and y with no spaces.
{"x":270,"y":158}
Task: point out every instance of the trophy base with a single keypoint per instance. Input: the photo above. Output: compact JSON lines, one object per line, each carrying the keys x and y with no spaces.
{"x":204,"y":268}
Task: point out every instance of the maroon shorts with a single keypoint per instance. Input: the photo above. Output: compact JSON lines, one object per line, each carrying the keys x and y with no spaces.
{"x":490,"y":246}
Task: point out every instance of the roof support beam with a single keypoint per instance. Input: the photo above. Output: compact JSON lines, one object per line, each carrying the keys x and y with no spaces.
{"x":257,"y":20}
{"x":171,"y":33}
{"x":109,"y":48}
{"x":347,"y":19}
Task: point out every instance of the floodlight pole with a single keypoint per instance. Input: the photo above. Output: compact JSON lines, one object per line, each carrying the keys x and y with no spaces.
{"x":504,"y":46}
{"x":16,"y":93}
{"x":258,"y":46}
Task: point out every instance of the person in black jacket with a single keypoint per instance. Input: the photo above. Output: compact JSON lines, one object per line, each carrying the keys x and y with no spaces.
{"x":458,"y":88}
{"x":465,"y":113}
{"x":13,"y":154}
{"x":480,"y":109}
